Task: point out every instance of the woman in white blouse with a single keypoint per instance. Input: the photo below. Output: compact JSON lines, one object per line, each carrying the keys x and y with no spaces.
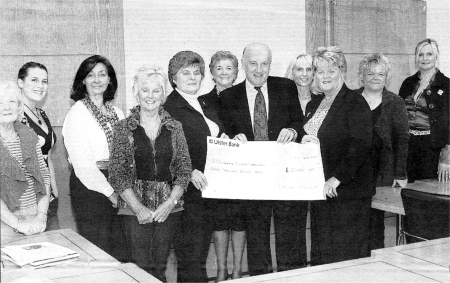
{"x":87,"y":133}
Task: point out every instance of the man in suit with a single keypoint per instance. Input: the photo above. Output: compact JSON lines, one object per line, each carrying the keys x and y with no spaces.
{"x":266,"y":108}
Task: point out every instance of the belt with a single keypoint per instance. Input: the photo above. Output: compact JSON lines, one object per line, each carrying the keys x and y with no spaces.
{"x":419,"y":133}
{"x":103,"y":164}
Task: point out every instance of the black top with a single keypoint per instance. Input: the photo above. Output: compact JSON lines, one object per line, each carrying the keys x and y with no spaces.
{"x":377,"y":142}
{"x":153,"y":158}
{"x":49,"y":138}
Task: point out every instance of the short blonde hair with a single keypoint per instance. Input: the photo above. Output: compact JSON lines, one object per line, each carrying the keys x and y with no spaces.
{"x":372,"y":60}
{"x":331,"y":56}
{"x":153,"y":74}
{"x":9,"y":87}
{"x":427,"y":41}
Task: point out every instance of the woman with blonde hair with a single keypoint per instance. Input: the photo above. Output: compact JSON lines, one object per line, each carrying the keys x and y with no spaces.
{"x":149,"y":169}
{"x":340,"y":122}
{"x":390,"y":134}
{"x":427,"y":99}
{"x":301,"y":71}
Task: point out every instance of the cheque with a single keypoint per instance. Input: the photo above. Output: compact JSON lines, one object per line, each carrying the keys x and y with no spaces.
{"x":263,"y":170}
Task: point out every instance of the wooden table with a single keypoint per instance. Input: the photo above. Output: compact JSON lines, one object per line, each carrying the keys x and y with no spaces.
{"x":389,"y":199}
{"x":94,"y":265}
{"x":387,"y":265}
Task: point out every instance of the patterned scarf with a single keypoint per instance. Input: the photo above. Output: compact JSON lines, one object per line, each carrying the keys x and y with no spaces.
{"x":106,"y":122}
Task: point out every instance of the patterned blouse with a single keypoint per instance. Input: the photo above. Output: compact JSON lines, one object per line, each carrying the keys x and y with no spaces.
{"x":313,"y":125}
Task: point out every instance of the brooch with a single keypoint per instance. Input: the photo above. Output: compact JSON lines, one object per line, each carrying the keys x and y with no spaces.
{"x":440,"y":92}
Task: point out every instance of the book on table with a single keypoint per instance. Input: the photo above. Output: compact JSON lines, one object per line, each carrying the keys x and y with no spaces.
{"x":38,"y":255}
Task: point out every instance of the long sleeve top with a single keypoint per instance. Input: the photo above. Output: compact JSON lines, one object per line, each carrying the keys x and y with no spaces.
{"x":86,"y":144}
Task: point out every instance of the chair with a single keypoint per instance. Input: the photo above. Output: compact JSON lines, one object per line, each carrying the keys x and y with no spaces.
{"x":427,"y":216}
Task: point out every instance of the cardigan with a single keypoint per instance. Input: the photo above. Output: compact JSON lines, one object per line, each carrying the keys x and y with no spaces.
{"x":13,"y":182}
{"x":438,"y":100}
{"x":392,"y":127}
{"x":122,"y":165}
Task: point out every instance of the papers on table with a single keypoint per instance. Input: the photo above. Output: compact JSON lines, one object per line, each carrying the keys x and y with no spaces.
{"x":38,"y":255}
{"x":263,"y":170}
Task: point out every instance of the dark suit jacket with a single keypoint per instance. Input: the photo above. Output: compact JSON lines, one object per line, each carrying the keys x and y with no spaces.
{"x":196,"y":130}
{"x":284,"y":109}
{"x":345,"y":142}
{"x":438,"y":106}
{"x":212,"y":99}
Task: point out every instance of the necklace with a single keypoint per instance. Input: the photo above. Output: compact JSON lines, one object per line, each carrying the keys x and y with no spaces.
{"x":39,"y":120}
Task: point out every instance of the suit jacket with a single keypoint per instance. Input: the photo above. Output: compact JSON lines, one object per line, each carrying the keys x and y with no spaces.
{"x":438,"y":101}
{"x":345,"y":143}
{"x":284,"y":109}
{"x":196,"y":130}
{"x":212,"y":99}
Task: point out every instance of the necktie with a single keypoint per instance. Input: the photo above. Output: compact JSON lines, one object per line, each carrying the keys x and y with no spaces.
{"x":260,"y":130}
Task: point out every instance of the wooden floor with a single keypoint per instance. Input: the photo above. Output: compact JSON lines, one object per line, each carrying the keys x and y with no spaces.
{"x":67,"y":221}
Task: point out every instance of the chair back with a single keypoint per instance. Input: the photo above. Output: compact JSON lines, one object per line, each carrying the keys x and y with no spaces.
{"x":427,"y":215}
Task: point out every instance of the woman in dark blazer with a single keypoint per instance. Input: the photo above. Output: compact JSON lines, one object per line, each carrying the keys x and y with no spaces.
{"x":199,"y":120}
{"x":341,"y":122}
{"x":390,"y":134}
{"x":426,"y":95}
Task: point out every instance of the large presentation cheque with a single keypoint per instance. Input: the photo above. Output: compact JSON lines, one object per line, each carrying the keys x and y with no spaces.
{"x":263,"y":170}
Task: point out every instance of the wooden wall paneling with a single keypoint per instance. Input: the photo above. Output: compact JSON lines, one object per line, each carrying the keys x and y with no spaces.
{"x":379,"y":26}
{"x":402,"y":67}
{"x":109,"y":34}
{"x":315,"y":24}
{"x":37,"y":27}
{"x":61,"y":71}
{"x":389,"y":27}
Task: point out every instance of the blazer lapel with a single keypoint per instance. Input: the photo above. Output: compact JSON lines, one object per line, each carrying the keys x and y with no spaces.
{"x":244,"y":111}
{"x":273,"y":104}
{"x":333,"y":110}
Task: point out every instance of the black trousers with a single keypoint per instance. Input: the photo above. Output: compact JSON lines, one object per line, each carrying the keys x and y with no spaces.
{"x":290,"y":234}
{"x":258,"y":215}
{"x":340,"y":229}
{"x":150,"y":243}
{"x":96,"y":219}
{"x":192,"y":240}
{"x":423,"y":159}
{"x":376,"y":228}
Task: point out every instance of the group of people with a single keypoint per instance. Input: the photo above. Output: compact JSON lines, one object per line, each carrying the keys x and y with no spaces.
{"x":146,"y":170}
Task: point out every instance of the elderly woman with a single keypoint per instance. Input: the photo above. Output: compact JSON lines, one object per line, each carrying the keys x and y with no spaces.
{"x":390,"y":133}
{"x":33,"y":81}
{"x":24,"y":177}
{"x":341,"y":122}
{"x":149,"y":168}
{"x":228,"y":214}
{"x":199,"y":120}
{"x":426,"y":95}
{"x":224,"y":70}
{"x":87,"y":133}
{"x":301,"y":72}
